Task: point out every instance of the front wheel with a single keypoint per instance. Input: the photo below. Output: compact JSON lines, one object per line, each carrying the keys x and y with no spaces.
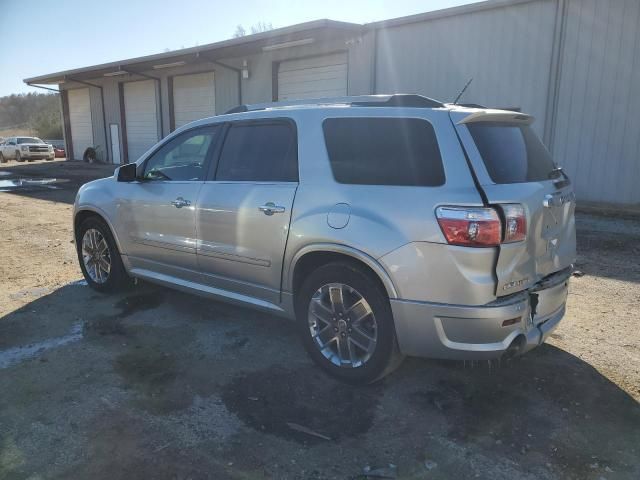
{"x":99,"y":258}
{"x":19,"y":157}
{"x":346,"y":323}
{"x":2,"y":159}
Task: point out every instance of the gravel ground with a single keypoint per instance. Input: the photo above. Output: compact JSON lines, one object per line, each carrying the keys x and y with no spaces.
{"x":158,"y":384}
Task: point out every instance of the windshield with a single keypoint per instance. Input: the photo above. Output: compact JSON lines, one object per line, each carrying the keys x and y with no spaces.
{"x":512,"y":153}
{"x":29,"y":140}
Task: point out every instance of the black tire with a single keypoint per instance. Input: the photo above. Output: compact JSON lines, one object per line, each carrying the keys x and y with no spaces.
{"x":386,"y":356}
{"x":19,"y":157}
{"x":2,"y":159}
{"x":118,"y":279}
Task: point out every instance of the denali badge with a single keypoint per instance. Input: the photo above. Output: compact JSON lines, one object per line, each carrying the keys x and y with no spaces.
{"x":515,"y":283}
{"x":558,"y":199}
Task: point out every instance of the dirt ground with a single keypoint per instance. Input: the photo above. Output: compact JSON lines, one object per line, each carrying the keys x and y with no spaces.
{"x":158,"y":384}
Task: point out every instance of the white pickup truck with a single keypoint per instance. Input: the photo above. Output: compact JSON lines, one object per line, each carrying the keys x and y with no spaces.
{"x":25,"y":148}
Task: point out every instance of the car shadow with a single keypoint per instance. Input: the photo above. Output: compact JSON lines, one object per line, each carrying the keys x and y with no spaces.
{"x":96,"y":386}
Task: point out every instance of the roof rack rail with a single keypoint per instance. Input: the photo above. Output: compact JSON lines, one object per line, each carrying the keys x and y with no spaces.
{"x":396,"y":100}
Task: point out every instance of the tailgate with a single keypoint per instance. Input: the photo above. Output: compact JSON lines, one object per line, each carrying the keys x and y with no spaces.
{"x":513,"y":166}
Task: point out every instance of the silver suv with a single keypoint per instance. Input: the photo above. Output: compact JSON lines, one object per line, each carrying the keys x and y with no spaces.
{"x":384,"y":226}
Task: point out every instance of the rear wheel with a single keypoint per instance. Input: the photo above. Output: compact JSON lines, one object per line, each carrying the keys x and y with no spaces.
{"x":2,"y":159}
{"x":99,"y":258}
{"x":346,"y":323}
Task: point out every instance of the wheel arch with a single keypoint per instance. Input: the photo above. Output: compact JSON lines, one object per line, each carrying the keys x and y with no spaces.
{"x":86,"y":212}
{"x":312,"y":256}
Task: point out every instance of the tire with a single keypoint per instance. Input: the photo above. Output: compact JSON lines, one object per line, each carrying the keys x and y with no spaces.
{"x":356,"y":284}
{"x":19,"y":157}
{"x":116,"y":278}
{"x":2,"y":159}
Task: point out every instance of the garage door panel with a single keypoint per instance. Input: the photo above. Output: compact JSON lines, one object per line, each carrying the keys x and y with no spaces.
{"x":141,"y":117}
{"x":194,"y":97}
{"x":80,"y":120}
{"x":322,"y":76}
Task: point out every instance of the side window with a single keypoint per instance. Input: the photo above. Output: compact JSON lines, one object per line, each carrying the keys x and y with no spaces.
{"x":260,"y":151}
{"x":383,"y":151}
{"x":184,"y":158}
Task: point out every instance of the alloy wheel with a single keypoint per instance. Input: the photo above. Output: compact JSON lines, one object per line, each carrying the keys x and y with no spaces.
{"x":342,"y":325}
{"x":96,"y":256}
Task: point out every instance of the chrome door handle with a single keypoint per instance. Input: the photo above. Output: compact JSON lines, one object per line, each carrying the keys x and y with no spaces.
{"x":180,"y":202}
{"x":270,"y":208}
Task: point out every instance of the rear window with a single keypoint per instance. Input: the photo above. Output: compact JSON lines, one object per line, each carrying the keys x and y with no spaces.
{"x":512,"y":153}
{"x":383,"y":151}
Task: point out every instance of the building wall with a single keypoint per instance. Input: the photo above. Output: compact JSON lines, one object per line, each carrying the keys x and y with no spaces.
{"x":506,"y":50}
{"x":596,"y":136}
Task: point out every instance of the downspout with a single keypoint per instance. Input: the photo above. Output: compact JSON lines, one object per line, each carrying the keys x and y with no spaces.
{"x":374,"y":62}
{"x":104,"y":116}
{"x":144,"y":75}
{"x":555,"y":72}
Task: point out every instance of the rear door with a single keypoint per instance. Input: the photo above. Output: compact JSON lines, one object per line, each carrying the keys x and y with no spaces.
{"x":243,"y":213}
{"x":514,"y":167}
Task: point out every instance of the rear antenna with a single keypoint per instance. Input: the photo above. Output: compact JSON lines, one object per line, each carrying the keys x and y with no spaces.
{"x":455,"y":102}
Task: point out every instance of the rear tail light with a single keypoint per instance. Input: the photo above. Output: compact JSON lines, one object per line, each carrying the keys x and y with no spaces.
{"x":482,"y":226}
{"x":470,"y":226}
{"x":515,"y":222}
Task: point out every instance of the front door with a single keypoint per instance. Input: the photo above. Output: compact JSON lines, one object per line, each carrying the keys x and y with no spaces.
{"x":157,"y":213}
{"x":243,"y":213}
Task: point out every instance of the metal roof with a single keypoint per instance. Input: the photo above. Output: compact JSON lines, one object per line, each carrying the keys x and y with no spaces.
{"x":224,"y":49}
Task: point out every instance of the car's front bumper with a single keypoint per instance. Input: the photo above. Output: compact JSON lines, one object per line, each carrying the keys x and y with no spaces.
{"x":37,"y":155}
{"x":501,"y":328}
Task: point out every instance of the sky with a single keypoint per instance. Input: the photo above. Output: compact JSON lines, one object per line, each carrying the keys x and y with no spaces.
{"x":78,"y":33}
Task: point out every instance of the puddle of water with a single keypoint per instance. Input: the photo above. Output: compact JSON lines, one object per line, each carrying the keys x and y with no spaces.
{"x":4,"y":174}
{"x":18,"y":354}
{"x":27,"y":182}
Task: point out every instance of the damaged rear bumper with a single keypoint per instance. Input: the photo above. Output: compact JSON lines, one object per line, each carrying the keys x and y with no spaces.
{"x":502,"y":328}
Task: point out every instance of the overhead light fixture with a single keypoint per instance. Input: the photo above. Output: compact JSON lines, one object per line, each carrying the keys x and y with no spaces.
{"x":115,"y":74}
{"x":169,"y":65}
{"x":294,"y":43}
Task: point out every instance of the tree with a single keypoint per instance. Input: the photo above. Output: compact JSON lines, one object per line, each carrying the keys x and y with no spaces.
{"x":255,"y":28}
{"x":240,"y":31}
{"x":38,"y":111}
{"x":261,"y":27}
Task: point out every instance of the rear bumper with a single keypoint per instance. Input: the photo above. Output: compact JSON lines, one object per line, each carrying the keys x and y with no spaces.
{"x":480,"y":332}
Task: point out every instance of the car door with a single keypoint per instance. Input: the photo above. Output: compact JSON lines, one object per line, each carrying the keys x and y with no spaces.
{"x":243,"y":212}
{"x":157,"y":213}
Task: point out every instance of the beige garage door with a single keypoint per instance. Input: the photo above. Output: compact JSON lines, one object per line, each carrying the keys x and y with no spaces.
{"x":315,"y":77}
{"x":141,"y":117}
{"x":80,"y":121}
{"x":194,"y":97}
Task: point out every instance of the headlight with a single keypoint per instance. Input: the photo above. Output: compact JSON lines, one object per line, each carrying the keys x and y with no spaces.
{"x":24,"y":148}
{"x":51,"y":148}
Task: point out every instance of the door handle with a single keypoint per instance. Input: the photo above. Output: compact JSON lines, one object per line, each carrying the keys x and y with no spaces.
{"x":180,"y":202}
{"x":270,"y":208}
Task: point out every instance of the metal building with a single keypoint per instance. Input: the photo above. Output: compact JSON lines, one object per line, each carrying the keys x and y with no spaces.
{"x":573,"y":64}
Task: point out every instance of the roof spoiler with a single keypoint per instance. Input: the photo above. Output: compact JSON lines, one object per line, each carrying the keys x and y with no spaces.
{"x":397,"y":100}
{"x":497,"y":116}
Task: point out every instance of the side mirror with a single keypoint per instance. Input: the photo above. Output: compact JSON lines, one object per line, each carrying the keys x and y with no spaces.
{"x":127,"y":173}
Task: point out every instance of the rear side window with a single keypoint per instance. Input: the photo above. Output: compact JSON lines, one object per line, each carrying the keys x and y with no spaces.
{"x":383,"y":151}
{"x":512,"y":153}
{"x":261,"y":152}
